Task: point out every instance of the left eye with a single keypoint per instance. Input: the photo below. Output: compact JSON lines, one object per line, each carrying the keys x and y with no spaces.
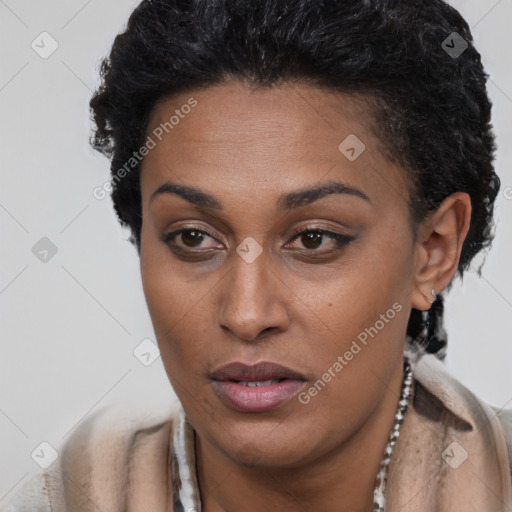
{"x":312,"y":239}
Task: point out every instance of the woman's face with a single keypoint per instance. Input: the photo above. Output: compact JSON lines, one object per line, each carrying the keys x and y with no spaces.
{"x":227,"y":185}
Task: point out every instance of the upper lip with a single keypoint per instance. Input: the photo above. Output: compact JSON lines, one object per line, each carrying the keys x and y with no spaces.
{"x":264,"y":370}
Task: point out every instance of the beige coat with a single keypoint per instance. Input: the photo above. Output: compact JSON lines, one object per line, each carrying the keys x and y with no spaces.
{"x":454,"y":454}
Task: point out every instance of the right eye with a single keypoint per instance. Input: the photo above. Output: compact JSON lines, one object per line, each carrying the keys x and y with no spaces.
{"x":190,"y":238}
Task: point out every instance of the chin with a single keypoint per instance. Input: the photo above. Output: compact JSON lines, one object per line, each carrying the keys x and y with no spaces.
{"x":262,"y":456}
{"x":266,"y":446}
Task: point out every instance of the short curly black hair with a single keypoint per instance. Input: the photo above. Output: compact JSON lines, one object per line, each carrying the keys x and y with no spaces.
{"x":429,"y":90}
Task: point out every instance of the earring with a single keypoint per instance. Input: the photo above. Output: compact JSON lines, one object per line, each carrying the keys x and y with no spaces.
{"x":434,"y":296}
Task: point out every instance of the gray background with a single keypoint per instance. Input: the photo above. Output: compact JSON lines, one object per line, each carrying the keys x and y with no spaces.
{"x":69,"y":325}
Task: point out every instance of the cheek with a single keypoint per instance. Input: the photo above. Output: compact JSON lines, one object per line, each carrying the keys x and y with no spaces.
{"x":174,"y":330}
{"x":361,"y":316}
{"x":162,"y":291}
{"x":357,"y":296}
{"x":359,"y":344}
{"x":167,"y":297}
{"x":360,"y":335}
{"x":177,"y":311}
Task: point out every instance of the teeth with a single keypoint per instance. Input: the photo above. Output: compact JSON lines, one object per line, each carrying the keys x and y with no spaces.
{"x":256,"y":383}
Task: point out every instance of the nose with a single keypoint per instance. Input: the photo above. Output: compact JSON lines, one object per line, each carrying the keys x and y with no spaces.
{"x":253,"y":302}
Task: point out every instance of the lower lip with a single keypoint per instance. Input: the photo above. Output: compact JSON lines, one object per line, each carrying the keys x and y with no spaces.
{"x":258,"y":398}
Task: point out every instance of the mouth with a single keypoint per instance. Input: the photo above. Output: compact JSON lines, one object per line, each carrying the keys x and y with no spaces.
{"x":256,"y":388}
{"x":257,"y":383}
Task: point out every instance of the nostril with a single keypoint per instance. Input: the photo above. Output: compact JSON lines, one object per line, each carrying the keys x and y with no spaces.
{"x":264,"y":331}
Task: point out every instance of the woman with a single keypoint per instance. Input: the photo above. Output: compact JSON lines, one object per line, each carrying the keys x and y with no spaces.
{"x":303,"y":180}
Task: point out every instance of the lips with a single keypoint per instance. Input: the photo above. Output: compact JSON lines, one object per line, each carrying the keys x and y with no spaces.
{"x":256,"y":388}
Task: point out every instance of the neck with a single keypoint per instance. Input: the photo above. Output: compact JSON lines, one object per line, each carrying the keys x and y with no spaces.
{"x":344,"y":479}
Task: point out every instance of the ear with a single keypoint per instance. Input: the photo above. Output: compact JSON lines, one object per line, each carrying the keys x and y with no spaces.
{"x":438,"y":247}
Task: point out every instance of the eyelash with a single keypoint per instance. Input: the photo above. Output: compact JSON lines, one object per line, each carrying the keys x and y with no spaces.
{"x":340,"y":240}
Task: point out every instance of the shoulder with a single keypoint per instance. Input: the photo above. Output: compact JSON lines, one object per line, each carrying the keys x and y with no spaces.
{"x":440,"y":391}
{"x":505,"y":417}
{"x":32,"y":496}
{"x":111,"y":457}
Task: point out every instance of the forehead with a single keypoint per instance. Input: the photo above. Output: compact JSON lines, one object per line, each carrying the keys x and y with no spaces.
{"x":260,"y":140}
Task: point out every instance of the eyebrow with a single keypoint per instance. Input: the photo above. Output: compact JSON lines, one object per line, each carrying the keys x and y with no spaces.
{"x":286,"y":202}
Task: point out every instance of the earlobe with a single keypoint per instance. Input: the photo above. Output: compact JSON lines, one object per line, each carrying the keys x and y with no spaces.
{"x":422,"y":299}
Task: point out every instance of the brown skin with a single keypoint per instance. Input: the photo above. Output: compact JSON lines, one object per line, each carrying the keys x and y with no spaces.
{"x":246,"y":147}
